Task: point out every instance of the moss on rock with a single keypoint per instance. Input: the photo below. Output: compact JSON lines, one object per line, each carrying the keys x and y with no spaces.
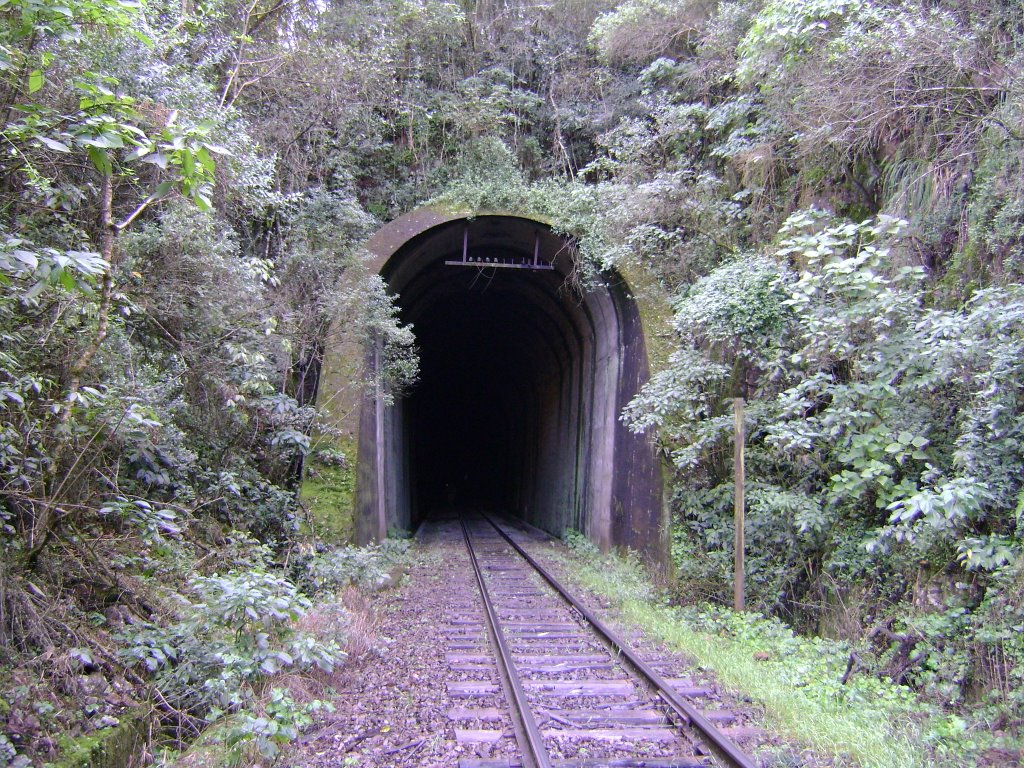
{"x":113,"y":747}
{"x":328,"y":493}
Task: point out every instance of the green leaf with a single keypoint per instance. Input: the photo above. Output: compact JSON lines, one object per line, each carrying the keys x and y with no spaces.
{"x":205,"y":160}
{"x":163,"y":189}
{"x":141,"y":36}
{"x":111,"y":140}
{"x":158,"y":159}
{"x":27,"y":258}
{"x":102,"y":141}
{"x":35,"y":80}
{"x":67,"y":280}
{"x":56,"y":146}
{"x":35,"y":290}
{"x":139,"y":152}
{"x":101,"y":161}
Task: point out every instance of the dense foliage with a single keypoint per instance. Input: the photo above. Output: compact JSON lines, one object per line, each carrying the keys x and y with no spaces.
{"x":829,"y":191}
{"x":822,"y":186}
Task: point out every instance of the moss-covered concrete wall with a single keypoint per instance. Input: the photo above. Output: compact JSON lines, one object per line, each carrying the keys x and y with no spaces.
{"x":122,"y":745}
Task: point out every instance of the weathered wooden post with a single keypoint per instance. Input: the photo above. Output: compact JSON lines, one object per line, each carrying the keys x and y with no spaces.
{"x":739,"y":506}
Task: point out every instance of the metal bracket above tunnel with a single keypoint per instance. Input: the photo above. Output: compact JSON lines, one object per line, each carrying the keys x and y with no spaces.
{"x":523,"y":377}
{"x":484,"y":258}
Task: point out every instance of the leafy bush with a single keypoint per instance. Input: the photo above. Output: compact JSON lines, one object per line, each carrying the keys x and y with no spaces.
{"x":331,"y":457}
{"x":371,"y":566}
{"x":640,"y":30}
{"x":280,"y":723}
{"x":221,"y":654}
{"x":9,"y":758}
{"x":871,"y":372}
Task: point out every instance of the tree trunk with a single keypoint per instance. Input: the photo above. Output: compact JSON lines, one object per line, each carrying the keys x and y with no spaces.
{"x":43,"y":526}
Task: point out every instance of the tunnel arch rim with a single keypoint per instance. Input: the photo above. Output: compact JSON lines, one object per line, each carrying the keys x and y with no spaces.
{"x":617,"y":299}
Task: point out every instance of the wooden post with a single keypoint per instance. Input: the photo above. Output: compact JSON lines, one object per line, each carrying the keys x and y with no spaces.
{"x":739,"y":506}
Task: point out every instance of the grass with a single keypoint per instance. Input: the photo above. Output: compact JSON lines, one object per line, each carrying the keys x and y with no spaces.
{"x":854,"y":733}
{"x":867,"y":723}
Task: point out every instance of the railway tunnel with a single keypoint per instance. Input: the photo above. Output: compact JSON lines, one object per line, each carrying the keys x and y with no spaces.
{"x":522,"y":378}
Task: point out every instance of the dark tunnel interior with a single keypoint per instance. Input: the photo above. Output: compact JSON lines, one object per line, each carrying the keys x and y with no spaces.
{"x":523,"y":375}
{"x":496,"y":420}
{"x":489,"y":362}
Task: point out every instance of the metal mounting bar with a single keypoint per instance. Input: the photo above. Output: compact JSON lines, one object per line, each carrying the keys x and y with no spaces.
{"x":482,"y":263}
{"x":722,"y":747}
{"x":496,"y":262}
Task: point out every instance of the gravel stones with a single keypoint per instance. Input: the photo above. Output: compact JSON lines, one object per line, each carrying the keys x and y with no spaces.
{"x":394,"y":707}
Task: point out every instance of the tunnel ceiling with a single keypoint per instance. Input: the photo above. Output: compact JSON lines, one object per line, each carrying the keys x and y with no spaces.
{"x":522,"y":378}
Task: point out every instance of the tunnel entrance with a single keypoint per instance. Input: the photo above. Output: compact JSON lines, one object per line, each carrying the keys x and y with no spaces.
{"x":499,"y":371}
{"x":522,"y":378}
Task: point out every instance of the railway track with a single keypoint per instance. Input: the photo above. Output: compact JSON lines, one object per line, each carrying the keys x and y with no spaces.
{"x":543,"y":682}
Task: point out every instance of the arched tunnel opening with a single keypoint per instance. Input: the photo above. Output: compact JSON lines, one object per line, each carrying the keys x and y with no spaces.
{"x":499,"y":371}
{"x":522,"y":378}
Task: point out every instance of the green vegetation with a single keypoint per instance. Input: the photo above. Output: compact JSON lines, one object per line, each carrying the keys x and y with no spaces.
{"x":108,"y":747}
{"x":829,"y":266}
{"x":819,"y":205}
{"x":328,"y":493}
{"x":801,"y":682}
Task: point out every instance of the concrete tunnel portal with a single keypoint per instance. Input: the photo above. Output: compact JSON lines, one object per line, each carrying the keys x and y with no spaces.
{"x":522,"y":379}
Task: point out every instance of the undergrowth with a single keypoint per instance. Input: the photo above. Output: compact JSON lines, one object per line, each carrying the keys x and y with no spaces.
{"x":327,"y":493}
{"x":243,"y":657}
{"x":864,"y":721}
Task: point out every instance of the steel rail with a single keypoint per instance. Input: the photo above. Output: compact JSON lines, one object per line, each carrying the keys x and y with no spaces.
{"x":721,"y":746}
{"x":535,"y":750}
